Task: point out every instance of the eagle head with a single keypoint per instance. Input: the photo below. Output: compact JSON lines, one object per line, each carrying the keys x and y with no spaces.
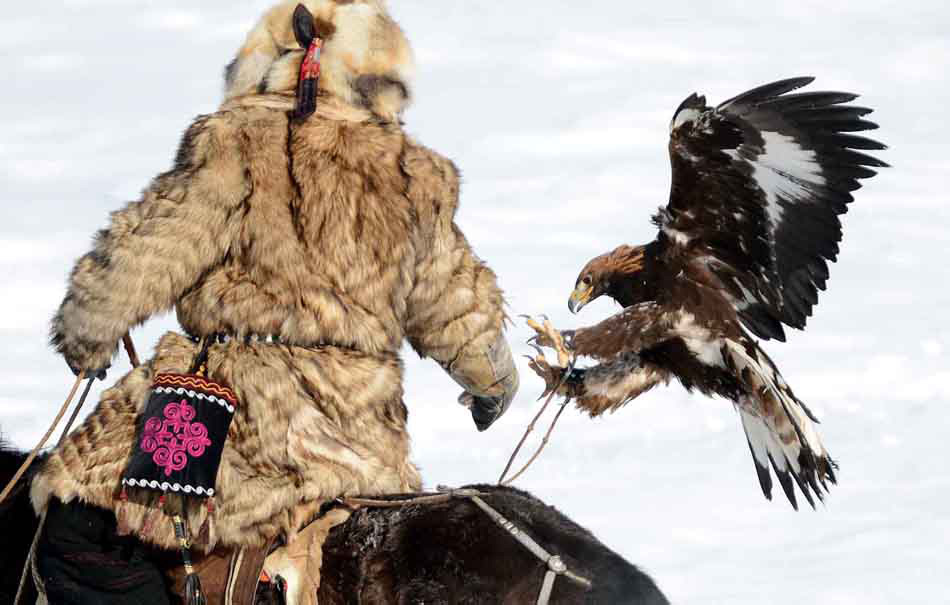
{"x":616,"y":274}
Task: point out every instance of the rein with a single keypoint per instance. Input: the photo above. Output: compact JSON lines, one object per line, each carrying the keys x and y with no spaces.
{"x":134,"y":359}
{"x":49,"y":432}
{"x":39,"y":528}
{"x":556,"y":566}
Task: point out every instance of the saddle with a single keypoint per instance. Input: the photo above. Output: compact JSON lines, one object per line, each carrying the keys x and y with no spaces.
{"x":276,"y":573}
{"x":228,"y":577}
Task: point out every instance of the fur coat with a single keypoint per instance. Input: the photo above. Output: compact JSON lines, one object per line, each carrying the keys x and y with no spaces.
{"x":335,"y":237}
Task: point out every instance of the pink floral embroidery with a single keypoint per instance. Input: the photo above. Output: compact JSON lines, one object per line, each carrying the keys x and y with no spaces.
{"x":174,"y":439}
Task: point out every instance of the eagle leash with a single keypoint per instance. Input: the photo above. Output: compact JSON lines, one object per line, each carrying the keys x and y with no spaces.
{"x":567,"y":370}
{"x":502,"y":480}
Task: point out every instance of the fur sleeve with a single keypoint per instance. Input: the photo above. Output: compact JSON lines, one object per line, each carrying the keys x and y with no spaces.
{"x":154,"y":249}
{"x":456,"y":309}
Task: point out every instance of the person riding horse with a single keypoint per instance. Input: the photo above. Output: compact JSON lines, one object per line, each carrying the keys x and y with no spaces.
{"x":301,"y":236}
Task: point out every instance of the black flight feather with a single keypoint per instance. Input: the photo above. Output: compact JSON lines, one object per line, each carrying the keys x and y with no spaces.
{"x":761,"y":186}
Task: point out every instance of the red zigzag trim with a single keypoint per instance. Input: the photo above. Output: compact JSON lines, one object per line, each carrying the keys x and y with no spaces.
{"x":190,"y":381}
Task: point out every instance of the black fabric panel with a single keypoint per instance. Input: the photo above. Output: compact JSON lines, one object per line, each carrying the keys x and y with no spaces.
{"x":82,"y":560}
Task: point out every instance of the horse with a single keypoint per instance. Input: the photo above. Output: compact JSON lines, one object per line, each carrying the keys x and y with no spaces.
{"x":449,"y":551}
{"x":19,"y":525}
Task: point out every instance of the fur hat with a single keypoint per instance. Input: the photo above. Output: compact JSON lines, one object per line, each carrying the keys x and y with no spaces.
{"x":367,"y":61}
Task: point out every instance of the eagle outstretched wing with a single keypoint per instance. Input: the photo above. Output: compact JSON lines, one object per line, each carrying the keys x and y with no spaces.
{"x":631,"y":330}
{"x":758,"y":185}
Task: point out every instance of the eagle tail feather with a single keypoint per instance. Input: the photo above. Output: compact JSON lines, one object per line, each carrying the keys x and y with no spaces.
{"x":754,"y":429}
{"x":780,"y":430}
{"x":786,"y":481}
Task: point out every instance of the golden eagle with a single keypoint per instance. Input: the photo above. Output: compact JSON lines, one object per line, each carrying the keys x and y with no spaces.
{"x":743,"y":247}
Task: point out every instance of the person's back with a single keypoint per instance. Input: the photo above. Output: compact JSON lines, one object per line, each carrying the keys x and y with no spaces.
{"x":301,"y":250}
{"x":337,"y":248}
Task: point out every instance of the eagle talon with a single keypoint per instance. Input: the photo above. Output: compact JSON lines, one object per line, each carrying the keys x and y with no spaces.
{"x":554,"y":376}
{"x":547,"y":336}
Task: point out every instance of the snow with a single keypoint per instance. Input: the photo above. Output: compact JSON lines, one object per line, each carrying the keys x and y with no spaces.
{"x":558,"y":115}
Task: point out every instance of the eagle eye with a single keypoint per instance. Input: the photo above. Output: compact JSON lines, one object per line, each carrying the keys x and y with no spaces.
{"x":587,"y":280}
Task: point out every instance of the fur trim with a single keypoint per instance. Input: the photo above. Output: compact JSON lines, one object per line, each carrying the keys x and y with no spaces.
{"x":367,"y":61}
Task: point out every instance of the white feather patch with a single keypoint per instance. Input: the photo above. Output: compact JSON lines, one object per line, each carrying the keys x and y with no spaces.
{"x":677,"y":236}
{"x":781,"y":170}
{"x":758,"y":435}
{"x":686,"y":115}
{"x":748,"y":299}
{"x":698,"y":340}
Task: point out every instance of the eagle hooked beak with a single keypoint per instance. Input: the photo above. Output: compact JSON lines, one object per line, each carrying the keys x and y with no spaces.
{"x":579,"y":297}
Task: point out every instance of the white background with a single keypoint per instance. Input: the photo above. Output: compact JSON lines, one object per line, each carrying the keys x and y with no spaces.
{"x":557,"y":113}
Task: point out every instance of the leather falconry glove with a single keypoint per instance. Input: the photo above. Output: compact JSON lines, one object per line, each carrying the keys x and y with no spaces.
{"x":489,"y":387}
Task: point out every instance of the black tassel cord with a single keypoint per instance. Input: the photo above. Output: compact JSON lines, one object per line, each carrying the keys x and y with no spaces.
{"x":193,"y":592}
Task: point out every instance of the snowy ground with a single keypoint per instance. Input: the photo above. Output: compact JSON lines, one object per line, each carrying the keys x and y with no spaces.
{"x":557,"y":116}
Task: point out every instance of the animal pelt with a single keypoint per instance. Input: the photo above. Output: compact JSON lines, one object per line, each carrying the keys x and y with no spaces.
{"x":454,"y":553}
{"x":336,"y":237}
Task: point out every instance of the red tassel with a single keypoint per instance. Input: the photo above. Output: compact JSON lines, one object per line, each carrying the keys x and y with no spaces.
{"x":147,"y":524}
{"x":122,"y":514}
{"x":307,"y":83}
{"x":153,"y":516}
{"x":206,"y":537}
{"x":212,"y":535}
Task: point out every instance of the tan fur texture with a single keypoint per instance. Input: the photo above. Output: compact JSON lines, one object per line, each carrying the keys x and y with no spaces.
{"x":300,"y":563}
{"x":367,"y":60}
{"x":337,"y":236}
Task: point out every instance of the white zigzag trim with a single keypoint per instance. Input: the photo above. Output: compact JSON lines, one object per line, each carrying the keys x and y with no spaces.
{"x":165,"y":486}
{"x":190,"y":393}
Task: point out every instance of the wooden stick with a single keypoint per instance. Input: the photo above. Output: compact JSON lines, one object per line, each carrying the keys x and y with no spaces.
{"x":130,"y":349}
{"x":356,"y":502}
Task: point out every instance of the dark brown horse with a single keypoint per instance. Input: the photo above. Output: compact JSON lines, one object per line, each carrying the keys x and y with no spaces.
{"x":448,"y":552}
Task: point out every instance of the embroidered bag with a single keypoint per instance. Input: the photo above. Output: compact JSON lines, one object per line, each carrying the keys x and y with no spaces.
{"x":181,"y":436}
{"x":177,"y":450}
